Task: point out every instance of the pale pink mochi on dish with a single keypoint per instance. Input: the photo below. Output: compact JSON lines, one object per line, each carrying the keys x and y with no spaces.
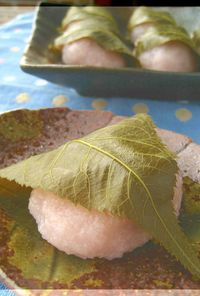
{"x":174,"y":56}
{"x":88,"y":52}
{"x":87,"y":234}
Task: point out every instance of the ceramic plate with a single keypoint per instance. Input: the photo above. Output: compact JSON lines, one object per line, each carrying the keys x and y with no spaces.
{"x":28,"y":261}
{"x":102,"y":82}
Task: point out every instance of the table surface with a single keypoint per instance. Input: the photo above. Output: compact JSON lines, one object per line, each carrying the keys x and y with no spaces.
{"x":9,"y":12}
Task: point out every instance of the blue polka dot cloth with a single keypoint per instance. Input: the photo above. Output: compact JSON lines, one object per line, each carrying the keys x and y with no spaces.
{"x":21,"y":90}
{"x":4,"y":291}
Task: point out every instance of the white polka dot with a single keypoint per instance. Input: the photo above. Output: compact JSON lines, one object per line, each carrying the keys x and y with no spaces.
{"x":99,"y":104}
{"x":9,"y":78}
{"x":41,"y":82}
{"x":140,"y":108}
{"x":22,"y":98}
{"x":183,"y":114}
{"x":59,"y":100}
{"x":14,"y":49}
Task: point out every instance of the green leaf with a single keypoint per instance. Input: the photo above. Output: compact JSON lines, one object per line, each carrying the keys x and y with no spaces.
{"x":103,"y":36}
{"x":75,"y":14}
{"x":161,"y":34}
{"x":144,"y":14}
{"x":191,"y":226}
{"x":28,"y":255}
{"x":191,"y":197}
{"x":100,"y":31}
{"x":123,"y":169}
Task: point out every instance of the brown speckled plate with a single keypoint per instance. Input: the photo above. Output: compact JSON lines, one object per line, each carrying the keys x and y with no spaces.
{"x":38,"y":60}
{"x":24,"y":133}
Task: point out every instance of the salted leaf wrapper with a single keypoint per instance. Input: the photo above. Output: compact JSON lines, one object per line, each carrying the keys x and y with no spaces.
{"x":124,"y":170}
{"x":161,"y":34}
{"x":104,"y":38}
{"x":144,"y":14}
{"x":92,"y":23}
{"x":191,"y":197}
{"x":75,"y":14}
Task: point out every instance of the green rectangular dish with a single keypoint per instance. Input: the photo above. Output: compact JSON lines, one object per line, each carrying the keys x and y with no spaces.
{"x":38,"y":60}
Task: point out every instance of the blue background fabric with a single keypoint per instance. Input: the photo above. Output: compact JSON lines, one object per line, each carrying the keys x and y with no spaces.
{"x":21,"y":90}
{"x":5,"y":292}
